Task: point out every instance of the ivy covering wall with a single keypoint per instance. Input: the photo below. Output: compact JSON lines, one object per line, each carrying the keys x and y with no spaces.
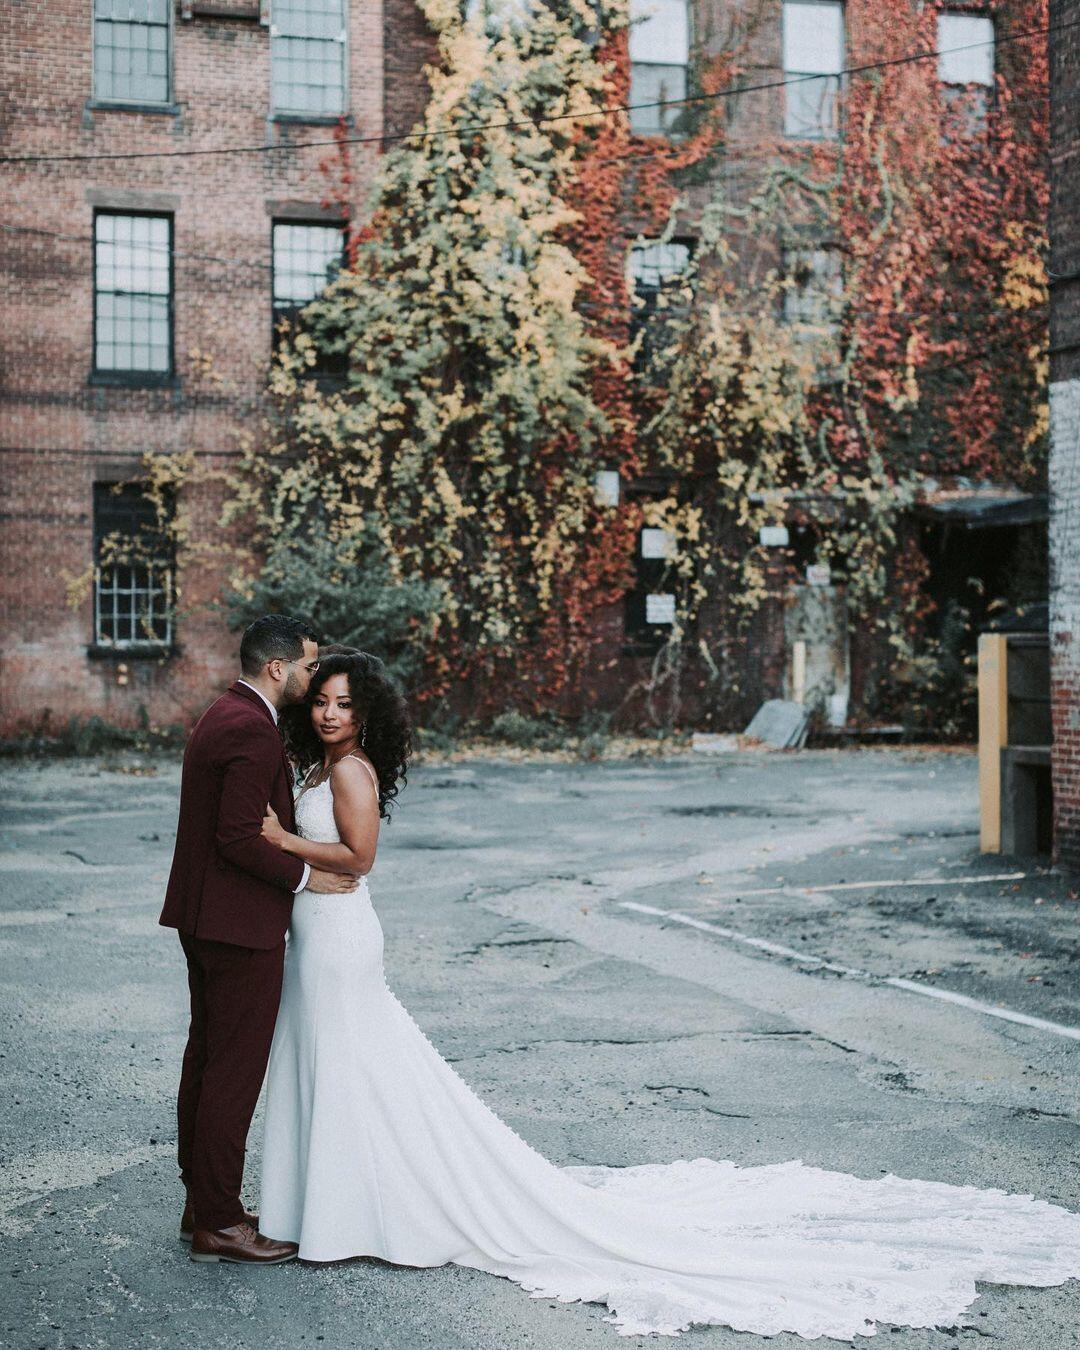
{"x":438,"y":504}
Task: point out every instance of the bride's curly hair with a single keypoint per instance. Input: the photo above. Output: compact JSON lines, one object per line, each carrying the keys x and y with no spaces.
{"x":378,"y":707}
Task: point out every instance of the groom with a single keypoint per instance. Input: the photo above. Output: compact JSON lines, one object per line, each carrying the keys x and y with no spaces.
{"x":230,"y":895}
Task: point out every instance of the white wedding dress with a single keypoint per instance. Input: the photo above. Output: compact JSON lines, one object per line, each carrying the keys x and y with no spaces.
{"x":374,"y":1146}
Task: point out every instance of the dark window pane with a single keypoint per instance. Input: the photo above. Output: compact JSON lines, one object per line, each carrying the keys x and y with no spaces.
{"x":655,"y":271}
{"x":133,"y":571}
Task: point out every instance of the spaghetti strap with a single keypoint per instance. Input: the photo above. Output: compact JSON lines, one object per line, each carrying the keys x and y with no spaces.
{"x":374,"y":775}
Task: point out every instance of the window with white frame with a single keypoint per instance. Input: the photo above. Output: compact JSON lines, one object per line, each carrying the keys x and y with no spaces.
{"x":659,"y":57}
{"x":131,"y":51}
{"x":307,"y":56}
{"x":306,"y":258}
{"x":607,"y":487}
{"x":132,"y":295}
{"x":133,"y":572}
{"x":966,"y":64}
{"x":813,"y":52}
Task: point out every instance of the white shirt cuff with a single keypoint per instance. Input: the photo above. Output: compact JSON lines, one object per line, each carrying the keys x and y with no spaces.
{"x":303,"y":879}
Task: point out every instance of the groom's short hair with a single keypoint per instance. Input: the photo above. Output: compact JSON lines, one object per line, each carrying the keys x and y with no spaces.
{"x":274,"y":637}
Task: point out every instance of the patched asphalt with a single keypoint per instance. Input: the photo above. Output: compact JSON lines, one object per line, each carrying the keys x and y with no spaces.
{"x":577,"y":940}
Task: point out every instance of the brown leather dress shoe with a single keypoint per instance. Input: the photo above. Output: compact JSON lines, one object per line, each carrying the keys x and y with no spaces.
{"x":243,"y":1244}
{"x":187,"y":1221}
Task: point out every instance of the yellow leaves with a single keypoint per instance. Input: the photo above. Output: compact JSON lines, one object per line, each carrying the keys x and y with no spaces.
{"x":1024,"y":284}
{"x":449,"y":495}
{"x":1039,"y":430}
{"x":77,"y":588}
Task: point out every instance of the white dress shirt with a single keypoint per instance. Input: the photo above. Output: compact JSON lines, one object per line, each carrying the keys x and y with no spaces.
{"x":274,"y":715}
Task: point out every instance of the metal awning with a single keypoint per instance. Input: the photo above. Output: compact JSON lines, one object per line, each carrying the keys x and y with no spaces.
{"x":979,"y":505}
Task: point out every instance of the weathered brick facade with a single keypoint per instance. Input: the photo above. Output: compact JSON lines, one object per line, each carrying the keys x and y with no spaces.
{"x":62,"y":433}
{"x":1065,"y":424}
{"x":409,"y":46}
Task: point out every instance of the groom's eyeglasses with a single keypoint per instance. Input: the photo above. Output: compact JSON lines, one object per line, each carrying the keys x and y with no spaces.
{"x":311,"y":667}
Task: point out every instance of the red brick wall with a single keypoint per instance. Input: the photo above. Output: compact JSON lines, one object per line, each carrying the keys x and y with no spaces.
{"x":1065,"y":426}
{"x":61,"y":434}
{"x":408,"y":47}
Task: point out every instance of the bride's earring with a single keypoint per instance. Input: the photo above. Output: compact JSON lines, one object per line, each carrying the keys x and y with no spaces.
{"x":363,"y":735}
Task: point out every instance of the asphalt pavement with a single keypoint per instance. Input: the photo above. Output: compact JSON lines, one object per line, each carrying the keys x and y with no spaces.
{"x":754,"y":956}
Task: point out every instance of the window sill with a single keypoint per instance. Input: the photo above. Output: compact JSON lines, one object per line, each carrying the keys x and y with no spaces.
{"x":132,"y":379}
{"x":311,"y":119}
{"x":675,"y":137}
{"x":144,"y":651}
{"x":94,"y":105}
{"x":802,"y":138}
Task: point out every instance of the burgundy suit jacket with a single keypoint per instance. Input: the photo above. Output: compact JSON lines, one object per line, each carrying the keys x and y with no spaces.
{"x":228,"y":883}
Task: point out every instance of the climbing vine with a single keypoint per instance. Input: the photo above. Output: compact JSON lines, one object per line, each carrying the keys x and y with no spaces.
{"x":496,"y":364}
{"x":926,"y":362}
{"x":458,"y":458}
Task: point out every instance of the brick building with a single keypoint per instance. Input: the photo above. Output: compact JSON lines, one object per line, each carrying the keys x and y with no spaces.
{"x":1065,"y":424}
{"x":139,"y":297}
{"x":141,"y":292}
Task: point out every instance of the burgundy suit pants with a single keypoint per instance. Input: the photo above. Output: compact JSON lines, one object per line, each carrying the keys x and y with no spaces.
{"x":235,"y":993}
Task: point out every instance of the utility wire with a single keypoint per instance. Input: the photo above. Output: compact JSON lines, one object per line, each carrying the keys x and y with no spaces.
{"x":731,"y":149}
{"x":737,"y":158}
{"x":739,"y":163}
{"x":244,"y":263}
{"x":476,"y":128}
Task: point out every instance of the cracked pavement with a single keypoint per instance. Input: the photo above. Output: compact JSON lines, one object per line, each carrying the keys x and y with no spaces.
{"x":601,"y":1033}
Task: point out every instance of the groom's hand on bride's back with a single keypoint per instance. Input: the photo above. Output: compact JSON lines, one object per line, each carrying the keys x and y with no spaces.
{"x":331,"y":883}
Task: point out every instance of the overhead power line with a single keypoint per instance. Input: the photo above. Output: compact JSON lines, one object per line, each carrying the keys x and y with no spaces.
{"x":245,"y":263}
{"x":477,"y":128}
{"x":740,"y":158}
{"x":735,"y":151}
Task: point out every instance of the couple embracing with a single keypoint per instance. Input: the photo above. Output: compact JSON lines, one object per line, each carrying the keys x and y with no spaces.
{"x":373,"y":1145}
{"x":241,"y":874}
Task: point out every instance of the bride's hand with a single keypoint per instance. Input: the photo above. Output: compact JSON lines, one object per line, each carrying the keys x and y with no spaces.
{"x":273,"y":830}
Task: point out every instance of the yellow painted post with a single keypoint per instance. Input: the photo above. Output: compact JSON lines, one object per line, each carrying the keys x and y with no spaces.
{"x":798,"y":671}
{"x":993,"y":734}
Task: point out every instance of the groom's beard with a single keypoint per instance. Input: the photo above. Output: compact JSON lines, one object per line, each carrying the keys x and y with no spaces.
{"x":292,"y":692}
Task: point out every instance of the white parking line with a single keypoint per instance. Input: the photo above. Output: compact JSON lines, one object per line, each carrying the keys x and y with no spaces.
{"x":819,"y":963}
{"x":871,"y":885}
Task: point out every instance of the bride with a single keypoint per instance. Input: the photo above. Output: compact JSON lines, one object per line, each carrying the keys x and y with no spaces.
{"x":374,"y":1146}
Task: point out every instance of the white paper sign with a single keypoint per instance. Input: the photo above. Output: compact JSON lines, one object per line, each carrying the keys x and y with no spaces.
{"x":657,"y":543}
{"x":818,"y":574}
{"x":607,"y":487}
